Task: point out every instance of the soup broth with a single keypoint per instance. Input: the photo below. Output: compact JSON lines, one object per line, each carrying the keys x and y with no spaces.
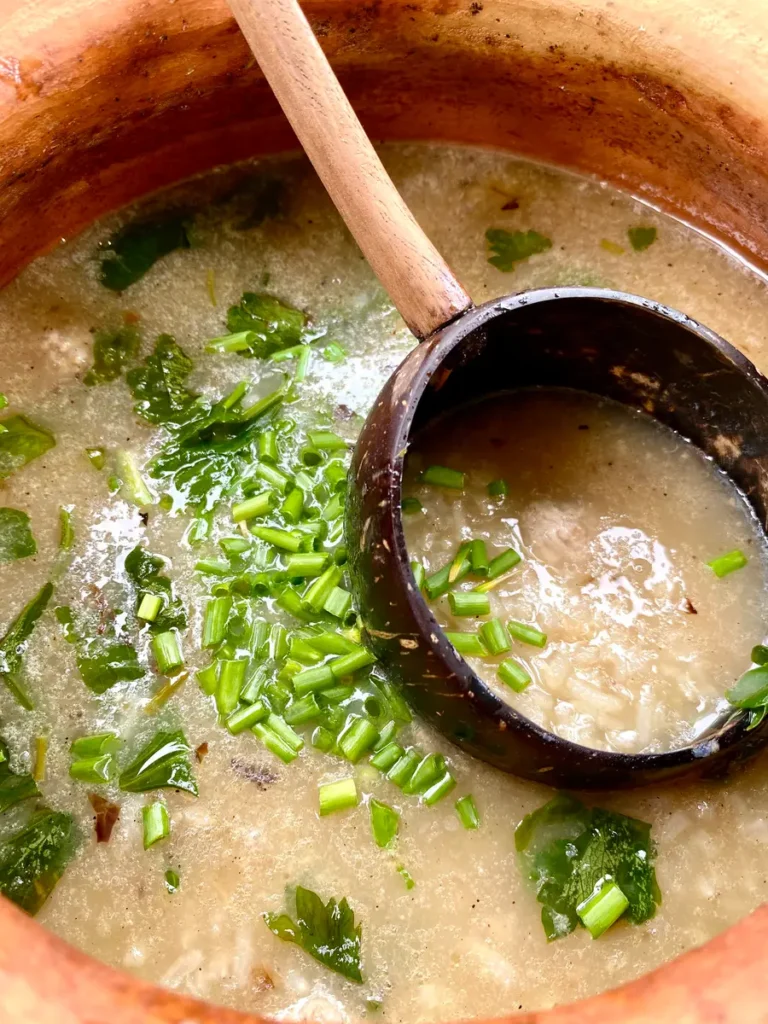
{"x":450,"y":927}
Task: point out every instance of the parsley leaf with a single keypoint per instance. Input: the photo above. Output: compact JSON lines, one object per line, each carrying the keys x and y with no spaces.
{"x":568,"y":850}
{"x":327,"y":932}
{"x":511,"y":247}
{"x":144,"y":571}
{"x":137,"y":247}
{"x":33,"y":860}
{"x":163,"y":762}
{"x":270,"y":323}
{"x":640,"y":238}
{"x":159,"y":385}
{"x":14,"y":786}
{"x":16,"y":540}
{"x":20,"y":443}
{"x":111,"y":351}
{"x":14,"y":643}
{"x":103,"y":660}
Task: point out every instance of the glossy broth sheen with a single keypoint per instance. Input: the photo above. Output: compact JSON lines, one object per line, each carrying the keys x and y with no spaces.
{"x":466,"y":939}
{"x":616,"y":518}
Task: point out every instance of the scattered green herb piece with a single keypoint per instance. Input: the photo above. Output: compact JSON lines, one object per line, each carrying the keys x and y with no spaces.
{"x":134,"y":249}
{"x":156,"y":823}
{"x":640,"y":238}
{"x":411,"y":506}
{"x":172,"y":880}
{"x":159,"y":388}
{"x":112,"y":349}
{"x":728,"y":563}
{"x":16,"y":540}
{"x":33,"y":860}
{"x":41,"y":758}
{"x":274,"y":742}
{"x":467,"y":812}
{"x":469,"y":603}
{"x":273,"y":324}
{"x":405,"y":875}
{"x":103,"y":660}
{"x":603,"y":908}
{"x":97,"y":457}
{"x":443,"y":476}
{"x":526,"y":634}
{"x":494,"y":636}
{"x":14,"y":644}
{"x":613,"y":247}
{"x":327,"y":932}
{"x":461,"y":563}
{"x":94,"y":771}
{"x":498,"y":489}
{"x":165,"y":647}
{"x":440,"y":788}
{"x":514,"y":675}
{"x":20,"y":442}
{"x":760,"y":654}
{"x":66,"y":530}
{"x":568,"y":850}
{"x":162,"y":762}
{"x":334,"y":353}
{"x":338,"y":796}
{"x":14,"y":786}
{"x":478,"y":558}
{"x":93,"y":746}
{"x":751,"y":691}
{"x":419,"y":575}
{"x":133,"y":489}
{"x":511,"y":247}
{"x":3,"y":401}
{"x":467,"y":643}
{"x":384,"y":823}
{"x":144,"y":571}
{"x":358,"y":736}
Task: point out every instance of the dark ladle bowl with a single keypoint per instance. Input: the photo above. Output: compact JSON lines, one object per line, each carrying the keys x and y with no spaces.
{"x":608,"y":343}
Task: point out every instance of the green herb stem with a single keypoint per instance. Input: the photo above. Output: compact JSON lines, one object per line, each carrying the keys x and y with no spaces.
{"x":338,"y":796}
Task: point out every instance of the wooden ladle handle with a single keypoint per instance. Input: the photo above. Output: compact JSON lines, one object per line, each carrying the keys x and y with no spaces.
{"x":413,"y":272}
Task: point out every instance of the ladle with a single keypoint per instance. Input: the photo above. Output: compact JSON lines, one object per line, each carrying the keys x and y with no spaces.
{"x":601,"y":341}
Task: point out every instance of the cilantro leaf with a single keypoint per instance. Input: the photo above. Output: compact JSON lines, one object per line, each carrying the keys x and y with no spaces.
{"x":14,"y":643}
{"x":103,"y":660}
{"x":134,"y":249}
{"x":271,"y":324}
{"x":163,"y":762}
{"x":511,"y":247}
{"x":111,"y":351}
{"x":14,"y":786}
{"x":159,"y":385}
{"x":16,"y":540}
{"x":144,"y":571}
{"x":33,"y":860}
{"x":568,"y":850}
{"x":325,"y":931}
{"x":20,"y":443}
{"x":641,"y":238}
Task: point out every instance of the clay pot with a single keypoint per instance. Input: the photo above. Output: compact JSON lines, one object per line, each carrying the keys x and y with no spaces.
{"x":101,"y":102}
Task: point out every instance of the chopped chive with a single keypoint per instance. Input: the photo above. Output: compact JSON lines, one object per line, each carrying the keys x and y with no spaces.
{"x":467,"y":812}
{"x":419,"y":575}
{"x":97,"y":457}
{"x":357,"y":738}
{"x":458,"y":564}
{"x":277,"y":538}
{"x":338,"y":603}
{"x":149,"y":607}
{"x":274,"y":476}
{"x":728,"y":563}
{"x":387,"y":734}
{"x":302,"y":711}
{"x":334,"y":509}
{"x":442,"y":787}
{"x":495,"y":637}
{"x":268,"y":445}
{"x":338,"y":796}
{"x":503,"y":563}
{"x":334,"y":352}
{"x":526,"y":634}
{"x":156,"y":822}
{"x":240,"y":341}
{"x":198,"y":531}
{"x":41,"y":757}
{"x":336,"y":474}
{"x":207,"y":678}
{"x":235,"y":394}
{"x":384,"y":823}
{"x":93,"y":746}
{"x":310,"y":564}
{"x":403,"y":768}
{"x":258,"y":505}
{"x":498,"y":489}
{"x":387,"y":757}
{"x":332,"y":643}
{"x":442,"y":476}
{"x":281,"y":728}
{"x":302,"y":363}
{"x":478,"y":558}
{"x":284,"y":354}
{"x":350,"y":663}
{"x":319,"y":591}
{"x":165,"y":647}
{"x":293,"y":505}
{"x":213,"y":567}
{"x":304,"y":652}
{"x":253,"y":686}
{"x":467,"y":643}
{"x":427,"y":771}
{"x":94,"y":770}
{"x":312,"y":679}
{"x":438,"y":583}
{"x":246,"y":717}
{"x":136,"y":491}
{"x":411,"y":506}
{"x":323,"y":739}
{"x":405,"y":875}
{"x":513,"y":674}
{"x":337,"y":694}
{"x":230,"y":683}
{"x":469,"y":603}
{"x":234,"y":546}
{"x":66,"y":530}
{"x":292,"y":603}
{"x":274,"y":743}
{"x":172,"y":880}
{"x":603,"y":908}
{"x":326,"y":441}
{"x":310,"y":456}
{"x":278,"y":641}
{"x":215,"y":620}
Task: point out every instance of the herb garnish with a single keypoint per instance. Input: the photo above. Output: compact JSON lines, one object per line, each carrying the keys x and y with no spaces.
{"x":20,"y":443}
{"x":16,"y":540}
{"x":511,"y":247}
{"x":33,"y":860}
{"x":14,"y":786}
{"x":112,"y":349}
{"x":134,"y":249}
{"x":163,"y":762}
{"x":640,"y":238}
{"x":144,"y":571}
{"x":325,"y":931}
{"x":14,"y":644}
{"x":103,"y":659}
{"x":159,"y":385}
{"x":269,"y":323}
{"x":568,"y":851}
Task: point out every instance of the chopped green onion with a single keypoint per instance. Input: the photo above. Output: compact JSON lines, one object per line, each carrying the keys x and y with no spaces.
{"x":303,"y":651}
{"x":302,"y":364}
{"x":323,"y":739}
{"x":358,"y":737}
{"x":93,"y":770}
{"x":207,"y":678}
{"x":213,"y":567}
{"x":503,"y":563}
{"x":760,"y":654}
{"x":268,"y":445}
{"x":411,"y":506}
{"x":274,"y":743}
{"x":387,"y":757}
{"x":603,"y":908}
{"x":230,"y":683}
{"x":338,"y":603}
{"x":384,"y":823}
{"x":136,"y":490}
{"x":319,"y":591}
{"x":292,"y":603}
{"x":165,"y":647}
{"x":334,"y":509}
{"x":302,"y":711}
{"x":439,"y":789}
{"x":459,"y":563}
{"x":442,"y":476}
{"x":350,"y":663}
{"x":240,"y":341}
{"x":281,"y":728}
{"x":728,"y":563}
{"x":310,"y":456}
{"x":405,"y":875}
{"x":274,"y":476}
{"x":336,"y":474}
{"x":312,"y":679}
{"x":198,"y":531}
{"x":419,"y":575}
{"x":334,"y":353}
{"x":97,"y":457}
{"x":215,"y":620}
{"x":332,"y":643}
{"x":259,"y":505}
{"x":427,"y":771}
{"x":337,"y":694}
{"x":467,"y":812}
{"x":326,"y":441}
{"x":498,"y":489}
{"x":469,"y":603}
{"x":494,"y":636}
{"x":253,"y":686}
{"x":172,"y":880}
{"x":467,"y":643}
{"x":526,"y":634}
{"x":310,"y":564}
{"x":513,"y":674}
{"x":234,"y":546}
{"x":478,"y":558}
{"x":246,"y":717}
{"x":278,"y":641}
{"x":277,"y":538}
{"x":93,"y":746}
{"x":293,"y":505}
{"x":338,"y":796}
{"x":149,"y":607}
{"x":439,"y":583}
{"x":41,"y":756}
{"x":403,"y":768}
{"x":157,"y":824}
{"x":66,"y":531}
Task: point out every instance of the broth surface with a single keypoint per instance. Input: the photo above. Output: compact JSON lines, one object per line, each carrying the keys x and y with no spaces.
{"x":466,"y":940}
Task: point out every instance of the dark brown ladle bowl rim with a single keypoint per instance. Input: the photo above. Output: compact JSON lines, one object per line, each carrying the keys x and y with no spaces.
{"x":717,"y":399}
